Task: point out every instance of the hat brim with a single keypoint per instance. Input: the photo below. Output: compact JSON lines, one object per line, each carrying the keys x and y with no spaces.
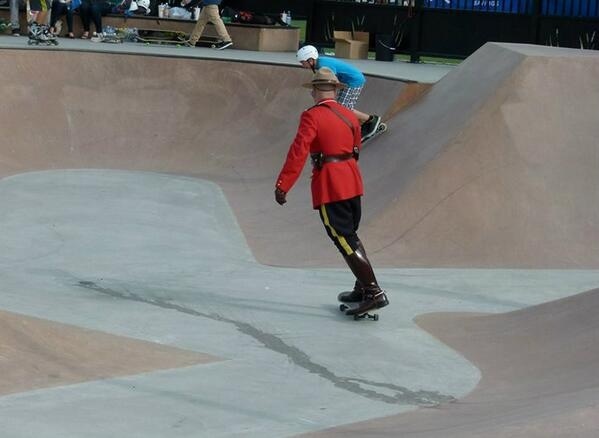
{"x":337,"y":85}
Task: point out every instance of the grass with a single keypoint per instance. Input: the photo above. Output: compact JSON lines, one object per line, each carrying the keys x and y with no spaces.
{"x":302,"y":25}
{"x":428,"y":59}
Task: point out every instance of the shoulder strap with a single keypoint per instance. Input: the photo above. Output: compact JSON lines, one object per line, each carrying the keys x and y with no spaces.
{"x":341,"y":116}
{"x":355,"y":149}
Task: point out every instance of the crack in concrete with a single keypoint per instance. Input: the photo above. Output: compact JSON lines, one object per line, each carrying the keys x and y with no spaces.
{"x":401,"y":395}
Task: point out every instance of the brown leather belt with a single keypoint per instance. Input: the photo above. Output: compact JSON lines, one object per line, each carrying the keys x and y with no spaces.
{"x":319,"y":159}
{"x":337,"y":158}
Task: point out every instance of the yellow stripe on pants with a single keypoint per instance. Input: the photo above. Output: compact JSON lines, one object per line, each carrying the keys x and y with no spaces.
{"x":342,"y":241}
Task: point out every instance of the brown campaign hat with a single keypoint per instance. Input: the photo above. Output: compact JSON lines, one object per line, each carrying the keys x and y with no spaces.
{"x":324,"y":76}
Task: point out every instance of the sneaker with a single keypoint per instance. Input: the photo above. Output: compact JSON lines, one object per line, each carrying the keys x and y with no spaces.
{"x":16,"y":32}
{"x":365,"y":129}
{"x":369,"y":127}
{"x":375,"y":122}
{"x":223,"y":45}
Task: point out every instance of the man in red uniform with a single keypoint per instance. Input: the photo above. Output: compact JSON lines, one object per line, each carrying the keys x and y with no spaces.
{"x":331,"y":134}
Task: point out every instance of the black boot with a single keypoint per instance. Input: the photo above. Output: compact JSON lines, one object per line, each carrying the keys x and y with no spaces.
{"x":357,"y":294}
{"x":354,"y":296}
{"x":374,"y":296}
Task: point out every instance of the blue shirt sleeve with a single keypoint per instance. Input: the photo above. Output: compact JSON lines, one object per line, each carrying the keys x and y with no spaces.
{"x":346,"y":73}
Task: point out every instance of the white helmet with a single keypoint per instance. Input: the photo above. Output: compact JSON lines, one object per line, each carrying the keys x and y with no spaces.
{"x":306,"y":53}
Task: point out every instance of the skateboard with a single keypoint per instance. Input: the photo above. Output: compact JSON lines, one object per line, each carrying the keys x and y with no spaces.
{"x":112,"y":39}
{"x":207,"y":42}
{"x":380,"y":130}
{"x":344,"y":307}
{"x":170,"y":37}
{"x":160,"y":37}
{"x":42,"y":43}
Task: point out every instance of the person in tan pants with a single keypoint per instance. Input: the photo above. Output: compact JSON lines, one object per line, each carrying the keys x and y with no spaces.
{"x":210,"y":13}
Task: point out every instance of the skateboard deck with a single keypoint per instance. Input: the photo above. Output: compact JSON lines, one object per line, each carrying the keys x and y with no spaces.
{"x":170,"y":37}
{"x":380,"y":130}
{"x":149,"y":36}
{"x":160,"y":41}
{"x":344,"y":307}
{"x":207,"y":42}
{"x":112,"y":39}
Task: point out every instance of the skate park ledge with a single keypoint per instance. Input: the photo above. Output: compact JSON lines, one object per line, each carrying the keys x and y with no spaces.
{"x":261,"y":38}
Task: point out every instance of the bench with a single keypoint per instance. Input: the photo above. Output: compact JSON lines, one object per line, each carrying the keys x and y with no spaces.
{"x":267,"y":38}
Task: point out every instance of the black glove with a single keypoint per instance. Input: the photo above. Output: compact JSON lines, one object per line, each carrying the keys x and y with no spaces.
{"x":280,"y":196}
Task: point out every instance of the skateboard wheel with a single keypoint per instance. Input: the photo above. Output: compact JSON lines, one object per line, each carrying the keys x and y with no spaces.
{"x":376,"y":317}
{"x":356,"y":317}
{"x":343,"y":307}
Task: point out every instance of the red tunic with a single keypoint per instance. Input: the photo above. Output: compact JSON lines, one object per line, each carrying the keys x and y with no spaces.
{"x":321,"y":130}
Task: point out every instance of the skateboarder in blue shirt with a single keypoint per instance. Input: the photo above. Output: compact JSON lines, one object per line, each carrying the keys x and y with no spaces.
{"x":309,"y":57}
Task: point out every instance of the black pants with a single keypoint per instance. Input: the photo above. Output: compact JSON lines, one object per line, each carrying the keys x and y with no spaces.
{"x":58,"y":10}
{"x":91,"y":10}
{"x":341,"y":221}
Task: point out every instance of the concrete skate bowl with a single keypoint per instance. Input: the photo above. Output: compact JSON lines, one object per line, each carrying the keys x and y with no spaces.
{"x":494,"y":167}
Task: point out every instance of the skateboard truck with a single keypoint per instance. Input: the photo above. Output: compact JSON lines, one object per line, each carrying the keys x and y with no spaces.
{"x":373,"y":316}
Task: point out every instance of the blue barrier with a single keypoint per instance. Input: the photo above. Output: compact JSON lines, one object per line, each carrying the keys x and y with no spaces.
{"x":570,"y":8}
{"x":563,"y":8}
{"x":505,"y":6}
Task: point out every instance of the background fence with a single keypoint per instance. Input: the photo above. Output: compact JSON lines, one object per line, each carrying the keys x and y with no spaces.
{"x":447,"y":28}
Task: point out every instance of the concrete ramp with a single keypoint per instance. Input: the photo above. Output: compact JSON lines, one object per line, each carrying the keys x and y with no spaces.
{"x":228,"y":122}
{"x":38,"y":354}
{"x":495,"y":167}
{"x":539,"y":376}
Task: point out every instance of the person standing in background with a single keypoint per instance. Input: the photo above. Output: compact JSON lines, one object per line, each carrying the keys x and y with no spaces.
{"x":210,"y":13}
